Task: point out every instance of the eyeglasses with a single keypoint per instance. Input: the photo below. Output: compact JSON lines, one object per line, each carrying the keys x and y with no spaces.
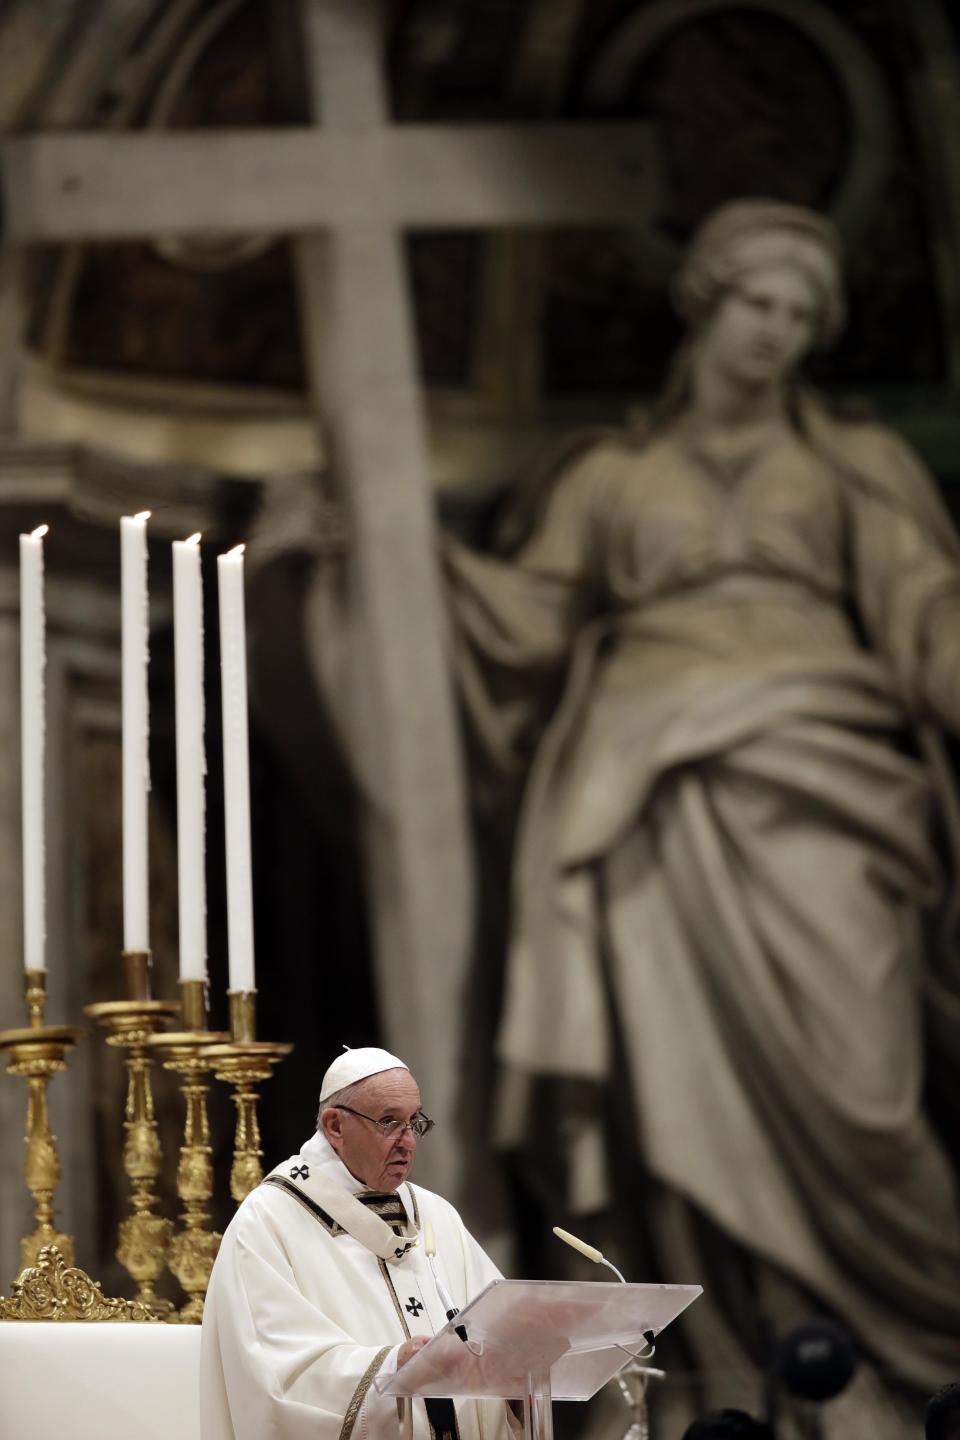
{"x":420,"y":1125}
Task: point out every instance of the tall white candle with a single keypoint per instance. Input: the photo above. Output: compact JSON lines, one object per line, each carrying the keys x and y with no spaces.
{"x":236,"y":769}
{"x":33,"y":658}
{"x":136,"y":765}
{"x":191,"y":763}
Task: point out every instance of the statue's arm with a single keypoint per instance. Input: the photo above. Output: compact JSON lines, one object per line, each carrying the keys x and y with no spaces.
{"x":514,"y":623}
{"x":906,"y":560}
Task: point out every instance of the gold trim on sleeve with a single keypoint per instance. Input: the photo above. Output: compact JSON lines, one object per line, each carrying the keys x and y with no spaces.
{"x":360,"y":1394}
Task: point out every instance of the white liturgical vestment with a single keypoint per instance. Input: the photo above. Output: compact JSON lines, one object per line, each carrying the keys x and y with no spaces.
{"x":300,"y":1316}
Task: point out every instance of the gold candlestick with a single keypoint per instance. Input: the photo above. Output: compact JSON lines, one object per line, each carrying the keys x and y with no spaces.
{"x":144,"y":1236}
{"x":186,"y":1052}
{"x":36,"y":1053}
{"x":244,"y":1063}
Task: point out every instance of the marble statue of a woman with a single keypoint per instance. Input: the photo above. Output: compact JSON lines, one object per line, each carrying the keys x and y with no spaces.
{"x":726,"y":853}
{"x":733,"y":842}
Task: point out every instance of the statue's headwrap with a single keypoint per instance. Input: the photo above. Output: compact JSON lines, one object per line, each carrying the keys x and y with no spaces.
{"x":745,"y":235}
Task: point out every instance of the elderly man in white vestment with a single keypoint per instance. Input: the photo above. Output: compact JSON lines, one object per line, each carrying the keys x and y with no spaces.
{"x":321,"y":1285}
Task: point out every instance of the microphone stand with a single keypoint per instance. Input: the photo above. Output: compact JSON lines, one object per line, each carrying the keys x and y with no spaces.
{"x":641,"y":1374}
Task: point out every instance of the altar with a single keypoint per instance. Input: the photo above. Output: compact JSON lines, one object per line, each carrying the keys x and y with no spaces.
{"x":77,"y":1381}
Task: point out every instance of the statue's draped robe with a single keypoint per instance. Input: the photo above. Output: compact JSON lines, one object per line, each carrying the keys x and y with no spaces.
{"x":301,"y":1318}
{"x":729,"y":871}
{"x":726,"y":852}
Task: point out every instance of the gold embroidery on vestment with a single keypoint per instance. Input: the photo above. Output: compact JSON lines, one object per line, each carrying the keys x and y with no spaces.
{"x":360,"y":1394}
{"x":394,"y":1297}
{"x":311,"y":1206}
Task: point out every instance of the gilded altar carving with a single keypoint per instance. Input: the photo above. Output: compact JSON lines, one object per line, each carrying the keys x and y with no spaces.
{"x":53,"y":1290}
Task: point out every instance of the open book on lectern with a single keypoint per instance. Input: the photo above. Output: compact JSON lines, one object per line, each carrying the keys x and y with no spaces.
{"x":580,"y":1333}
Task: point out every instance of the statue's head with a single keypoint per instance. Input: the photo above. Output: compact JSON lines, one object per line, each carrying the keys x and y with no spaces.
{"x":760,"y":286}
{"x":745,"y":237}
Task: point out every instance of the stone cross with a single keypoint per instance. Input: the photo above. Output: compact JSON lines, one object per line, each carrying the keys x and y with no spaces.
{"x":345,"y":189}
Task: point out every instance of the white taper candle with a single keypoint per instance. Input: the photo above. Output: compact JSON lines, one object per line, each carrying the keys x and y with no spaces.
{"x":136,"y":764}
{"x":33,"y":657}
{"x":191,"y":761}
{"x":236,"y":769}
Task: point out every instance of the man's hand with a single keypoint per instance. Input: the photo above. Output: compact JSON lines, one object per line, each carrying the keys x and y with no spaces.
{"x":409,"y":1348}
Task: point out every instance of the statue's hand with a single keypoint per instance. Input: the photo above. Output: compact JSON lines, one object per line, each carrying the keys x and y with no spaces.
{"x":296,"y":513}
{"x":330,"y":529}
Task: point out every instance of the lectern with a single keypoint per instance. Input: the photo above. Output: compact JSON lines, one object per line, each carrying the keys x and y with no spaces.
{"x":539,"y":1341}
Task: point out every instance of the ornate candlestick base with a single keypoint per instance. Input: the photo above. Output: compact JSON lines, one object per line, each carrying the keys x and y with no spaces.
{"x":144,"y":1236}
{"x":36,"y":1053}
{"x":244,"y":1063}
{"x":186,"y":1052}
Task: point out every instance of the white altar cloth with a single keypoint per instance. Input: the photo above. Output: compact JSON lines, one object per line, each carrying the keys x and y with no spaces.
{"x":91,"y":1381}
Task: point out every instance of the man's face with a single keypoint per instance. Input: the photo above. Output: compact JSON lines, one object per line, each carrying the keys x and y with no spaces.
{"x":378,"y":1161}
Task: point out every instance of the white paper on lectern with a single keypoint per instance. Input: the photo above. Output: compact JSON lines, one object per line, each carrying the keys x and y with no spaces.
{"x":573,"y":1329}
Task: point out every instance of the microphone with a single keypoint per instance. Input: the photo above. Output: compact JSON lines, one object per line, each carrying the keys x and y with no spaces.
{"x":591,"y":1252}
{"x":597,"y":1256}
{"x":430,"y":1250}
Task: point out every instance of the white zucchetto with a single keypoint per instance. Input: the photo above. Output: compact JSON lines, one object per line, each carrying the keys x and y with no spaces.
{"x":354,"y":1065}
